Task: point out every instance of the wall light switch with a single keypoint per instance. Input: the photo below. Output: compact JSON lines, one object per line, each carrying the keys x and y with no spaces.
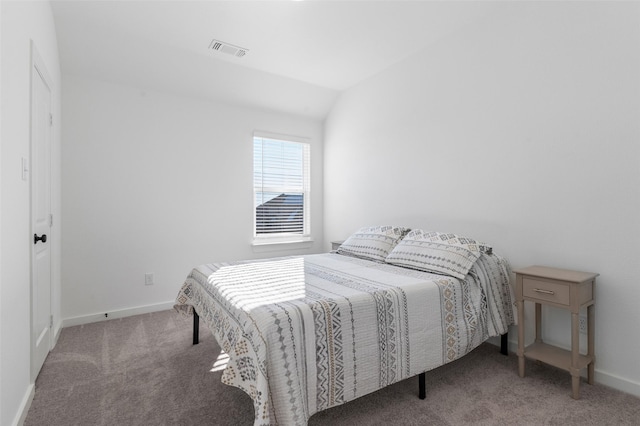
{"x":148,"y":279}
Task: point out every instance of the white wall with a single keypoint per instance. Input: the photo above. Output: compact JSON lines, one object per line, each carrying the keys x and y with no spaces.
{"x":159,"y":183}
{"x":523,"y":131}
{"x":21,"y":23}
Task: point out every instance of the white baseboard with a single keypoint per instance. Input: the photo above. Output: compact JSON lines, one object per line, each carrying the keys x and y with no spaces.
{"x":121,"y":313}
{"x":56,"y":334}
{"x":21,"y":416}
{"x":617,"y":382}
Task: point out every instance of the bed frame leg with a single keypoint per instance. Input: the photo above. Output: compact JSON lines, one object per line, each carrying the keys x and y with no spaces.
{"x":196,"y":328}
{"x":422,"y":377}
{"x":504,"y":344}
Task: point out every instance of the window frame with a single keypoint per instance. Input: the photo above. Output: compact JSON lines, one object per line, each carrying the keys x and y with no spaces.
{"x":284,"y":238}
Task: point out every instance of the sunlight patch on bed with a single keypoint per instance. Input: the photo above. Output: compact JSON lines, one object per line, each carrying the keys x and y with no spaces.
{"x":248,"y":286}
{"x":221,"y":362}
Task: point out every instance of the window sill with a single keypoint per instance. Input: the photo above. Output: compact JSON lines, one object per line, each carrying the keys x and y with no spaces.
{"x":264,"y":245}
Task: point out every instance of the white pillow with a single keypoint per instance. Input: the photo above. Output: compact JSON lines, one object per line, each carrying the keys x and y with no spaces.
{"x":373,"y":243}
{"x":447,"y":254}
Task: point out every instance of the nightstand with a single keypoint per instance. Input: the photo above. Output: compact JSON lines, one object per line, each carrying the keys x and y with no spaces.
{"x":565,"y":289}
{"x":335,"y":244}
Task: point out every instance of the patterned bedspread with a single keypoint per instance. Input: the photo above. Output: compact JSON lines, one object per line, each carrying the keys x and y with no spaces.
{"x":311,"y":332}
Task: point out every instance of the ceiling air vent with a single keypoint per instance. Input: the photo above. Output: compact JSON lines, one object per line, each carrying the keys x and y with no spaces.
{"x":230,"y":49}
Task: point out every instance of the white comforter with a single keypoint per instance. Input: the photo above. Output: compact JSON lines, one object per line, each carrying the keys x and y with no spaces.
{"x":311,"y":332}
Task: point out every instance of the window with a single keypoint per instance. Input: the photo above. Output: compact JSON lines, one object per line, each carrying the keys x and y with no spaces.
{"x":281,"y":190}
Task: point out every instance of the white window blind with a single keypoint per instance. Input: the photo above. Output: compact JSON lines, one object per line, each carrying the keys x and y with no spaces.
{"x":281,"y":190}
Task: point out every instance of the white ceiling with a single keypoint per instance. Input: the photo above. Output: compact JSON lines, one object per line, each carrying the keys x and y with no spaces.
{"x":302,"y":54}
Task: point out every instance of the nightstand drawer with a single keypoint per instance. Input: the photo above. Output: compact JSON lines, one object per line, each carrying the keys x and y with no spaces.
{"x":545,"y":291}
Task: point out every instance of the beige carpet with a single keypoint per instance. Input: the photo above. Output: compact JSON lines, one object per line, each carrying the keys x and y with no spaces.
{"x":143,"y":370}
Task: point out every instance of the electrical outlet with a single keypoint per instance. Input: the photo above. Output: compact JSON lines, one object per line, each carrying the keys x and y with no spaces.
{"x":582,"y":324}
{"x":148,"y":279}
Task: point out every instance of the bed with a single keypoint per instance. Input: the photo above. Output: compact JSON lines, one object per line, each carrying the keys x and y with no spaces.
{"x":306,"y":333}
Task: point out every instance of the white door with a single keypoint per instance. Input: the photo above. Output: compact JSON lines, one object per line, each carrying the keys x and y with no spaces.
{"x":41,"y":125}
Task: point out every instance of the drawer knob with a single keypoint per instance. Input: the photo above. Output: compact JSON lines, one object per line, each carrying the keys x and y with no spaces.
{"x":540,"y":290}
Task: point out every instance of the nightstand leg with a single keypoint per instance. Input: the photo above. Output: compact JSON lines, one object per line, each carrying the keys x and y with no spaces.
{"x":575,"y":353}
{"x":591,"y":343}
{"x":575,"y":386}
{"x":520,"y":337}
{"x":521,"y":366}
{"x":538,"y":323}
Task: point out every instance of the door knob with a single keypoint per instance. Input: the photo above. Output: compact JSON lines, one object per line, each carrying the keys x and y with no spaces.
{"x":43,"y":238}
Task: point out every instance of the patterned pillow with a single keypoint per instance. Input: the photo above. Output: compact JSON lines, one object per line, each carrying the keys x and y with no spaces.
{"x":373,"y":243}
{"x":448,"y":254}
